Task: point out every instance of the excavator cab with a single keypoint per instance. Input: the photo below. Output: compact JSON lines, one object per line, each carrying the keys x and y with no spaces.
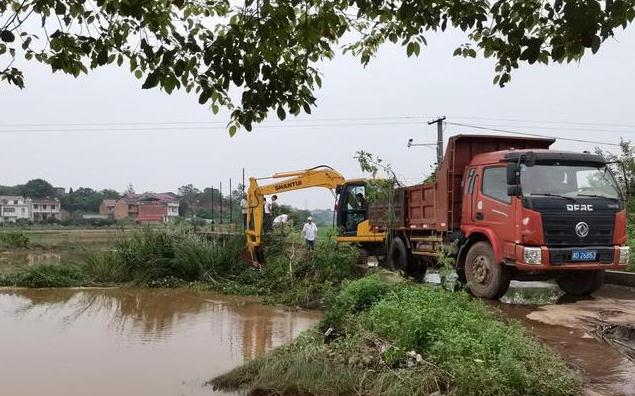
{"x":351,"y":208}
{"x":351,"y":212}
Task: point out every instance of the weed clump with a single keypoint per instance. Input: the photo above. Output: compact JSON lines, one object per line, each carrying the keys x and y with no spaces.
{"x":51,"y":275}
{"x":396,"y":339}
{"x":14,"y":240}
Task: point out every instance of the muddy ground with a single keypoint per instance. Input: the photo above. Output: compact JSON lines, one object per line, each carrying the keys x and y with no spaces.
{"x":595,"y":334}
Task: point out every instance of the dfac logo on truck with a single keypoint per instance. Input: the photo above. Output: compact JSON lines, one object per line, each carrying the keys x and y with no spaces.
{"x":582,"y":229}
{"x":288,"y":185}
{"x":579,"y":208}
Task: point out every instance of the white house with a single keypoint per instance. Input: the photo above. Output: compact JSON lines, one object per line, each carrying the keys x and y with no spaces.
{"x":173,"y":211}
{"x":14,"y":208}
{"x":46,"y":208}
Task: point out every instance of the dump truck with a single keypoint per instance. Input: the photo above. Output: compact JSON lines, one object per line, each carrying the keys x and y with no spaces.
{"x":502,"y":208}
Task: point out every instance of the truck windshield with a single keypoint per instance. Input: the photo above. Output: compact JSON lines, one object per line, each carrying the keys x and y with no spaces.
{"x":568,"y":180}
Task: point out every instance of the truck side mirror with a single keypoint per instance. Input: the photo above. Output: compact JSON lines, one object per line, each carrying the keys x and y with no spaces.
{"x":513,"y":173}
{"x":514,"y":191}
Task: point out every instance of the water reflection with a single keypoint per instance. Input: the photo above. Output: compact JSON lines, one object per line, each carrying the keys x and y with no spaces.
{"x":186,"y":337}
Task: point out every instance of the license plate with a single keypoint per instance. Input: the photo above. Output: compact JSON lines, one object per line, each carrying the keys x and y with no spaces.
{"x":584,"y":255}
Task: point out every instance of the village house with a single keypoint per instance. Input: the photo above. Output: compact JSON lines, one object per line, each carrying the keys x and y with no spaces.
{"x":146,"y":208}
{"x":15,"y":208}
{"x":107,"y":208}
{"x":45,"y":209}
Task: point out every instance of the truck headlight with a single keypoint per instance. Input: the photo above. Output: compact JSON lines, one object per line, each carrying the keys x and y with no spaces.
{"x":624,"y":254}
{"x":532,"y":255}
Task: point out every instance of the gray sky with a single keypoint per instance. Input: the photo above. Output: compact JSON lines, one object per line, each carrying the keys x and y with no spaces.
{"x":597,"y":90}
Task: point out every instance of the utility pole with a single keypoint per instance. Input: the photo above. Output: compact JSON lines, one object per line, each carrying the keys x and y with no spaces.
{"x":439,"y":122}
{"x":220,"y":192}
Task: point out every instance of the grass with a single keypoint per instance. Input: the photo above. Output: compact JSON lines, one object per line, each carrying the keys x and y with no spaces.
{"x":174,"y":258}
{"x":14,"y":240}
{"x":397,"y":339}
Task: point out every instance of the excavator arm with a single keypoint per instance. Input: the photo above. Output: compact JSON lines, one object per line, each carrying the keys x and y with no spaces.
{"x":320,"y":176}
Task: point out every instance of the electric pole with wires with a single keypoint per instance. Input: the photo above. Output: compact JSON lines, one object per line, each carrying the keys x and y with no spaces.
{"x":439,"y":122}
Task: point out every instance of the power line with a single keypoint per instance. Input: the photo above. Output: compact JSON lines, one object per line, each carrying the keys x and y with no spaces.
{"x":545,"y":121}
{"x":210,"y":128}
{"x":336,"y":119}
{"x":291,"y":120}
{"x":530,"y":134}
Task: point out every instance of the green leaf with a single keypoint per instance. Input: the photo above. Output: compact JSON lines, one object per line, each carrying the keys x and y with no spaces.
{"x":7,"y":36}
{"x":281,"y":113}
{"x":595,"y":44}
{"x":232,"y":130}
{"x":138,"y":74}
{"x":215,"y":108}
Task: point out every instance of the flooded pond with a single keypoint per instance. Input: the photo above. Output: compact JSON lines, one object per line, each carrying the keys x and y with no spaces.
{"x":132,"y":341}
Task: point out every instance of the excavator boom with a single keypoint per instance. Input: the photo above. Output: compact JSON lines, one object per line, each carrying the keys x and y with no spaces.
{"x":319,"y":176}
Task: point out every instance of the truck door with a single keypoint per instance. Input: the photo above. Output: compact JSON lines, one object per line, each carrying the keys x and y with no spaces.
{"x":493,"y":207}
{"x":468,"y":196}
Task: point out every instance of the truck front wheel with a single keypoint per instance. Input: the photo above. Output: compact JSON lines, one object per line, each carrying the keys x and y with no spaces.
{"x":580,"y":283}
{"x":397,"y":259}
{"x":485,"y":277}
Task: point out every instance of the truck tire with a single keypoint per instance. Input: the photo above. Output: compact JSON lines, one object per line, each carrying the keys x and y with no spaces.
{"x":397,"y":259}
{"x":580,"y":283}
{"x":485,"y":277}
{"x":417,"y":268}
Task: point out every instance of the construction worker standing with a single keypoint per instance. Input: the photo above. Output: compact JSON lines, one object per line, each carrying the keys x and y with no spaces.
{"x":309,"y":232}
{"x":267,"y":219}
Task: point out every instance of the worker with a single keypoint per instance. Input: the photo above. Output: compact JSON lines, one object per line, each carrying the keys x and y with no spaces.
{"x":309,"y":232}
{"x":267,"y":218}
{"x":243,"y":209}
{"x":274,"y":206}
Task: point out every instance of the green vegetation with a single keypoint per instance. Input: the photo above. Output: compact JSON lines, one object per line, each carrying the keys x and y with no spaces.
{"x":14,"y":240}
{"x":167,"y":258}
{"x":43,"y":275}
{"x":403,"y":339}
{"x":268,"y":54}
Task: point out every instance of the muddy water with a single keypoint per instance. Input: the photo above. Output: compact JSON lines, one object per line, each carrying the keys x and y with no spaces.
{"x":131,"y":341}
{"x":569,"y":325}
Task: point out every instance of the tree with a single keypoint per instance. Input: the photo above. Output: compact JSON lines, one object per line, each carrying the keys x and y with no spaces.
{"x":267,"y":50}
{"x":188,"y":191}
{"x":37,"y":188}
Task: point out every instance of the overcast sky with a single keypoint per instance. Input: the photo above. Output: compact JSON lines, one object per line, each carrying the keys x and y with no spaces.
{"x":599,"y":90}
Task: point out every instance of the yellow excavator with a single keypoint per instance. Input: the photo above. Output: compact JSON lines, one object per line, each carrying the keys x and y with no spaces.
{"x":351,"y":207}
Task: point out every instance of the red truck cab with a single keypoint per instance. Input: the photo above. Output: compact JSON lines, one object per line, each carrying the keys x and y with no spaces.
{"x":542,"y":212}
{"x":508,"y":207}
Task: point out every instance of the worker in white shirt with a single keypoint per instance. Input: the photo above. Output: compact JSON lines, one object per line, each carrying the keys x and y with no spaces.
{"x":243,"y":209}
{"x":309,"y":232}
{"x":267,"y":219}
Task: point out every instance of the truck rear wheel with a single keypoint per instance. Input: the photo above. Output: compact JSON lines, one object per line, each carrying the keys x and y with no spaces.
{"x":580,"y":283}
{"x":485,"y":277}
{"x":397,"y":259}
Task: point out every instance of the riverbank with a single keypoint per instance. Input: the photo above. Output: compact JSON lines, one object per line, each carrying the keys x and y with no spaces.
{"x":178,"y":258}
{"x":384,"y":338}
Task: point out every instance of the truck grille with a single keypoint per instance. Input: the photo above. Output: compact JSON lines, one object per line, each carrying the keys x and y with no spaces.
{"x":559,"y":229}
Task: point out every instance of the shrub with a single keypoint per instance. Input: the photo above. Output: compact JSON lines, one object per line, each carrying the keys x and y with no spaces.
{"x":14,"y":240}
{"x":46,"y":275}
{"x":105,"y":267}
